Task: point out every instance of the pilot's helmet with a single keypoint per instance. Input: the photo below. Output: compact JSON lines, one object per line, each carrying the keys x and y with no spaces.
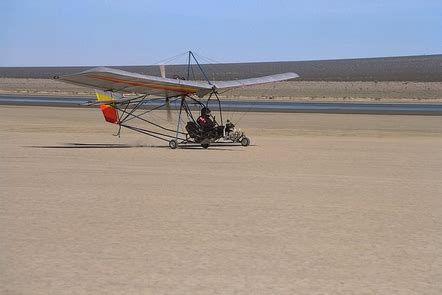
{"x":205,"y":111}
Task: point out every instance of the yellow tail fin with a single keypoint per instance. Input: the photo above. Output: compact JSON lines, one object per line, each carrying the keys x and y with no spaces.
{"x":109,"y":112}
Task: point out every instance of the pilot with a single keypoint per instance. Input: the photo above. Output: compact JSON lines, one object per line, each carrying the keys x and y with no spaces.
{"x":208,"y":125}
{"x":205,"y":121}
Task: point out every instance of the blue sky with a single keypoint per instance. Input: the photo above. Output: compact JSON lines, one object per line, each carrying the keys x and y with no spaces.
{"x":134,"y":32}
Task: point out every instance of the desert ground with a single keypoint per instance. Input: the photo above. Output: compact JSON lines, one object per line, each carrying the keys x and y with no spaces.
{"x":320,"y":203}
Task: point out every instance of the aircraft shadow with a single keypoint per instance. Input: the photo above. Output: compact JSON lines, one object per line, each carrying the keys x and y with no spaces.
{"x":95,"y":146}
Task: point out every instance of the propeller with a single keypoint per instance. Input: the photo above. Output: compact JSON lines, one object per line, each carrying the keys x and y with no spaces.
{"x":163,"y":70}
{"x":168,"y":108}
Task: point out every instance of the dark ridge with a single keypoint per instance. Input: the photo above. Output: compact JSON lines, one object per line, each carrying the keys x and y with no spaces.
{"x":426,"y":68}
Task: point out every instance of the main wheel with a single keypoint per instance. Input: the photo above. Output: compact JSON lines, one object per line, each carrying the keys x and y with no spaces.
{"x":245,"y":141}
{"x":173,"y":144}
{"x":205,"y":145}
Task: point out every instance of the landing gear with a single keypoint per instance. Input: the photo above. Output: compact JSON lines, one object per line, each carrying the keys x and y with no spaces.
{"x":245,"y":141}
{"x":205,"y":145}
{"x":173,"y":144}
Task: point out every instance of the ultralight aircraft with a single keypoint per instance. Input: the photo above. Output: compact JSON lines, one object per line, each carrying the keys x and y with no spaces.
{"x":110,"y":85}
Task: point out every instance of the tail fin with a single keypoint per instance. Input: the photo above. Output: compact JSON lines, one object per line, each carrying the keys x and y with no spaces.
{"x":109,"y":112}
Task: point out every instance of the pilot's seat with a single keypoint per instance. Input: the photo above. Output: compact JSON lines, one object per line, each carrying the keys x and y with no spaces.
{"x":194,"y":131}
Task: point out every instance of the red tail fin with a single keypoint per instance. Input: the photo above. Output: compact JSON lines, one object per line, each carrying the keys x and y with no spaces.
{"x":109,"y":112}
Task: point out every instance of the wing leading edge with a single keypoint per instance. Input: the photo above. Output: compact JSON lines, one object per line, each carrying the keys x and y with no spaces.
{"x":254,"y":81}
{"x":114,"y":80}
{"x":126,"y":82}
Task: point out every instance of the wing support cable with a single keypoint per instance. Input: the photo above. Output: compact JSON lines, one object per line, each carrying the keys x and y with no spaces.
{"x":163,"y":133}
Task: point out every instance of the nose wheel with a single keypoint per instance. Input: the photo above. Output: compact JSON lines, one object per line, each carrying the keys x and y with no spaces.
{"x":245,"y":141}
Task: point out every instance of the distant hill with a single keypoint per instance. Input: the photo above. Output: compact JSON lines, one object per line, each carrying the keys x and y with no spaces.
{"x":427,"y":68}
